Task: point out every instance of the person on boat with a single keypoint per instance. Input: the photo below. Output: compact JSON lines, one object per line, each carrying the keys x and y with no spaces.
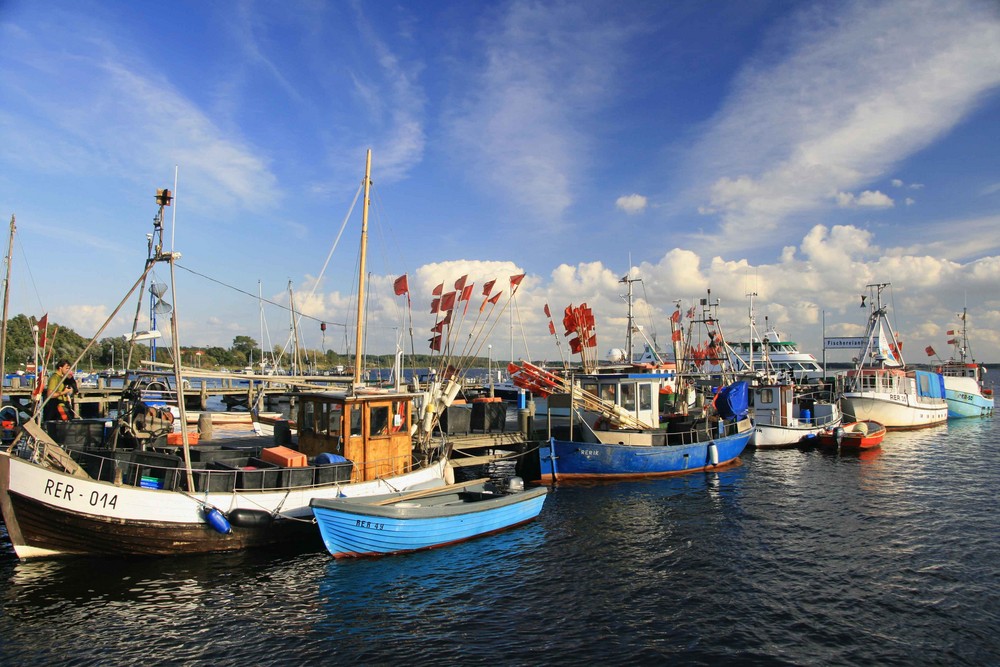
{"x":58,"y":394}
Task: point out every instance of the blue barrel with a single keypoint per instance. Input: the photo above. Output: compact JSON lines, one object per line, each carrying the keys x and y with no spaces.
{"x":806,"y":416}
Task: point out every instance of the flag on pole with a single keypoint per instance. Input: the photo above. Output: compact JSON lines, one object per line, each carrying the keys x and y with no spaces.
{"x":516,"y":280}
{"x":43,"y":325}
{"x":930,"y":351}
{"x":448,"y":301}
{"x":399,"y":286}
{"x":460,"y":283}
{"x":676,"y":316}
{"x":488,"y":287}
{"x":437,"y":290}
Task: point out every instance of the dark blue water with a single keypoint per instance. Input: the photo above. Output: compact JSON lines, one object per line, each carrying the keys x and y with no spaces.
{"x":794,"y":557}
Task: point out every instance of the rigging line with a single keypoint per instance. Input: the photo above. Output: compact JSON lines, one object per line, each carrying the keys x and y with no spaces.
{"x":267,"y":301}
{"x":336,"y":241}
{"x":31,"y":276}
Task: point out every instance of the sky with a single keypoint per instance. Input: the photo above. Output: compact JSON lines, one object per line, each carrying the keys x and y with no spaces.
{"x":795,"y":151}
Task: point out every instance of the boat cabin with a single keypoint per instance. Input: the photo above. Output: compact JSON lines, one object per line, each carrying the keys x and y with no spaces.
{"x":637,"y":394}
{"x":371,"y":429}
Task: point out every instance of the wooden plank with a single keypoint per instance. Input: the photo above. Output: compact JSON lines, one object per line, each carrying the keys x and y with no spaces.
{"x":430,"y":492}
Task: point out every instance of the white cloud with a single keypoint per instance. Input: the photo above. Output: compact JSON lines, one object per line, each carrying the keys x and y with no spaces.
{"x":632,"y":204}
{"x":896,"y":183}
{"x":867,"y":199}
{"x":854,"y":95}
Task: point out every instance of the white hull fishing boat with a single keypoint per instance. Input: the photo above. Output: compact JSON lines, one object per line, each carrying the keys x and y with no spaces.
{"x":59,"y":501}
{"x":786,"y":415}
{"x":880,"y":388}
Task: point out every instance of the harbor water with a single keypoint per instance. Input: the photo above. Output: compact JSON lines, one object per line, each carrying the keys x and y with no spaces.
{"x":794,"y":557}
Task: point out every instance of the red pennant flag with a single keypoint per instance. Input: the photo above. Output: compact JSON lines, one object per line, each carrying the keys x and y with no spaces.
{"x":496,"y":297}
{"x":930,"y":351}
{"x":400,"y":287}
{"x":592,"y":341}
{"x":574,"y":345}
{"x":953,"y":341}
{"x":547,"y":313}
{"x":676,"y":316}
{"x":488,"y":287}
{"x":448,"y":301}
{"x":436,"y":343}
{"x":460,"y":283}
{"x":437,"y":290}
{"x":691,"y":313}
{"x":435,"y":305}
{"x":676,"y":335}
{"x":43,"y":327}
{"x":950,"y":332}
{"x":552,"y":328}
{"x":516,"y":280}
{"x":466,"y":293}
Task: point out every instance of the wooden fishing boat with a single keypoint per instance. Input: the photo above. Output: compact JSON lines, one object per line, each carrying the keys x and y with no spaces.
{"x":860,"y":435}
{"x":403,"y":522}
{"x":120,"y":501}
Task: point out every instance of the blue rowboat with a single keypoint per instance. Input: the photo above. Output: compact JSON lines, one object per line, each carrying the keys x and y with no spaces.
{"x":411,"y":521}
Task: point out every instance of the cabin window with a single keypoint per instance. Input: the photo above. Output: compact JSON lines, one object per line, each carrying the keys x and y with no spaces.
{"x":308,"y":416}
{"x":590,"y":387}
{"x":628,"y":397}
{"x":398,"y":416}
{"x":378,"y":423}
{"x":766,"y":396}
{"x":355,"y":420}
{"x":608,"y":393}
{"x":331,"y":419}
{"x":925,"y":385}
{"x":645,"y":397}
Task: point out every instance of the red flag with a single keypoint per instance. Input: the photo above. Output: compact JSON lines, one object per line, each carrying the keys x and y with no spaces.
{"x":488,"y":287}
{"x":435,"y":305}
{"x":43,"y":326}
{"x":676,"y":317}
{"x":930,"y":351}
{"x":460,"y":283}
{"x":436,"y":343}
{"x":574,"y":345}
{"x":552,"y":328}
{"x":466,"y":293}
{"x":676,"y":334}
{"x":592,"y":341}
{"x":399,"y":286}
{"x":547,"y":313}
{"x":691,"y":313}
{"x":516,"y":280}
{"x":496,"y":297}
{"x":950,"y":332}
{"x":953,"y":341}
{"x":437,"y":290}
{"x":448,"y":301}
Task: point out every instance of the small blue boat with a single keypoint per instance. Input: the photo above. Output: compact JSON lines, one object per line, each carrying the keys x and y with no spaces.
{"x":426,"y":519}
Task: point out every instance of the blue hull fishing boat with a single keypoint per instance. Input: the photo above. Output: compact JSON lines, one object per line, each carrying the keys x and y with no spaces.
{"x":403,"y":522}
{"x":683,"y":445}
{"x":964,"y":385}
{"x":563,"y":459}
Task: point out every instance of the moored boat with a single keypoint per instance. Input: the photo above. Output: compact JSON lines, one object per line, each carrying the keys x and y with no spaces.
{"x":964,"y":385}
{"x":404,"y":522}
{"x":880,"y":388}
{"x":61,"y":501}
{"x":854,"y":435}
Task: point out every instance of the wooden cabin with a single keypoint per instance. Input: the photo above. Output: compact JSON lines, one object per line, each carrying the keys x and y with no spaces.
{"x":371,"y":429}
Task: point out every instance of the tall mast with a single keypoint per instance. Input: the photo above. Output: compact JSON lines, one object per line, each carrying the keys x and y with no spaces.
{"x":361,"y":271}
{"x":6,"y":301}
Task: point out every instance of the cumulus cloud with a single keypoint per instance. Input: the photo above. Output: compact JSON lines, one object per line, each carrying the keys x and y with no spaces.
{"x":867,"y":199}
{"x":632,"y":204}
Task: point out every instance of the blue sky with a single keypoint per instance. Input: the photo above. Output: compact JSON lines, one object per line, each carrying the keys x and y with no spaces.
{"x":795,"y":150}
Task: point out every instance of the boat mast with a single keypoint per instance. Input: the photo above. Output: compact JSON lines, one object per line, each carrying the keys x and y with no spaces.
{"x":6,"y":302}
{"x":629,"y":356}
{"x":361,"y":271}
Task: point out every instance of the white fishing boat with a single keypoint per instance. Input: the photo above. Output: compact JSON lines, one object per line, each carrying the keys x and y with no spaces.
{"x":880,"y":388}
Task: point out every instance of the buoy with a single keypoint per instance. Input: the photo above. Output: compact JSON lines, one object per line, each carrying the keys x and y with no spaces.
{"x":217,"y":520}
{"x":713,"y":454}
{"x":249,"y":518}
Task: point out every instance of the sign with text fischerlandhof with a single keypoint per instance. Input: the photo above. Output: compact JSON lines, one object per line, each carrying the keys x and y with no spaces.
{"x":845,"y":343}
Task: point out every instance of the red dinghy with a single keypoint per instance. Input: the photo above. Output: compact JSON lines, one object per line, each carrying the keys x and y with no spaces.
{"x":860,"y":435}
